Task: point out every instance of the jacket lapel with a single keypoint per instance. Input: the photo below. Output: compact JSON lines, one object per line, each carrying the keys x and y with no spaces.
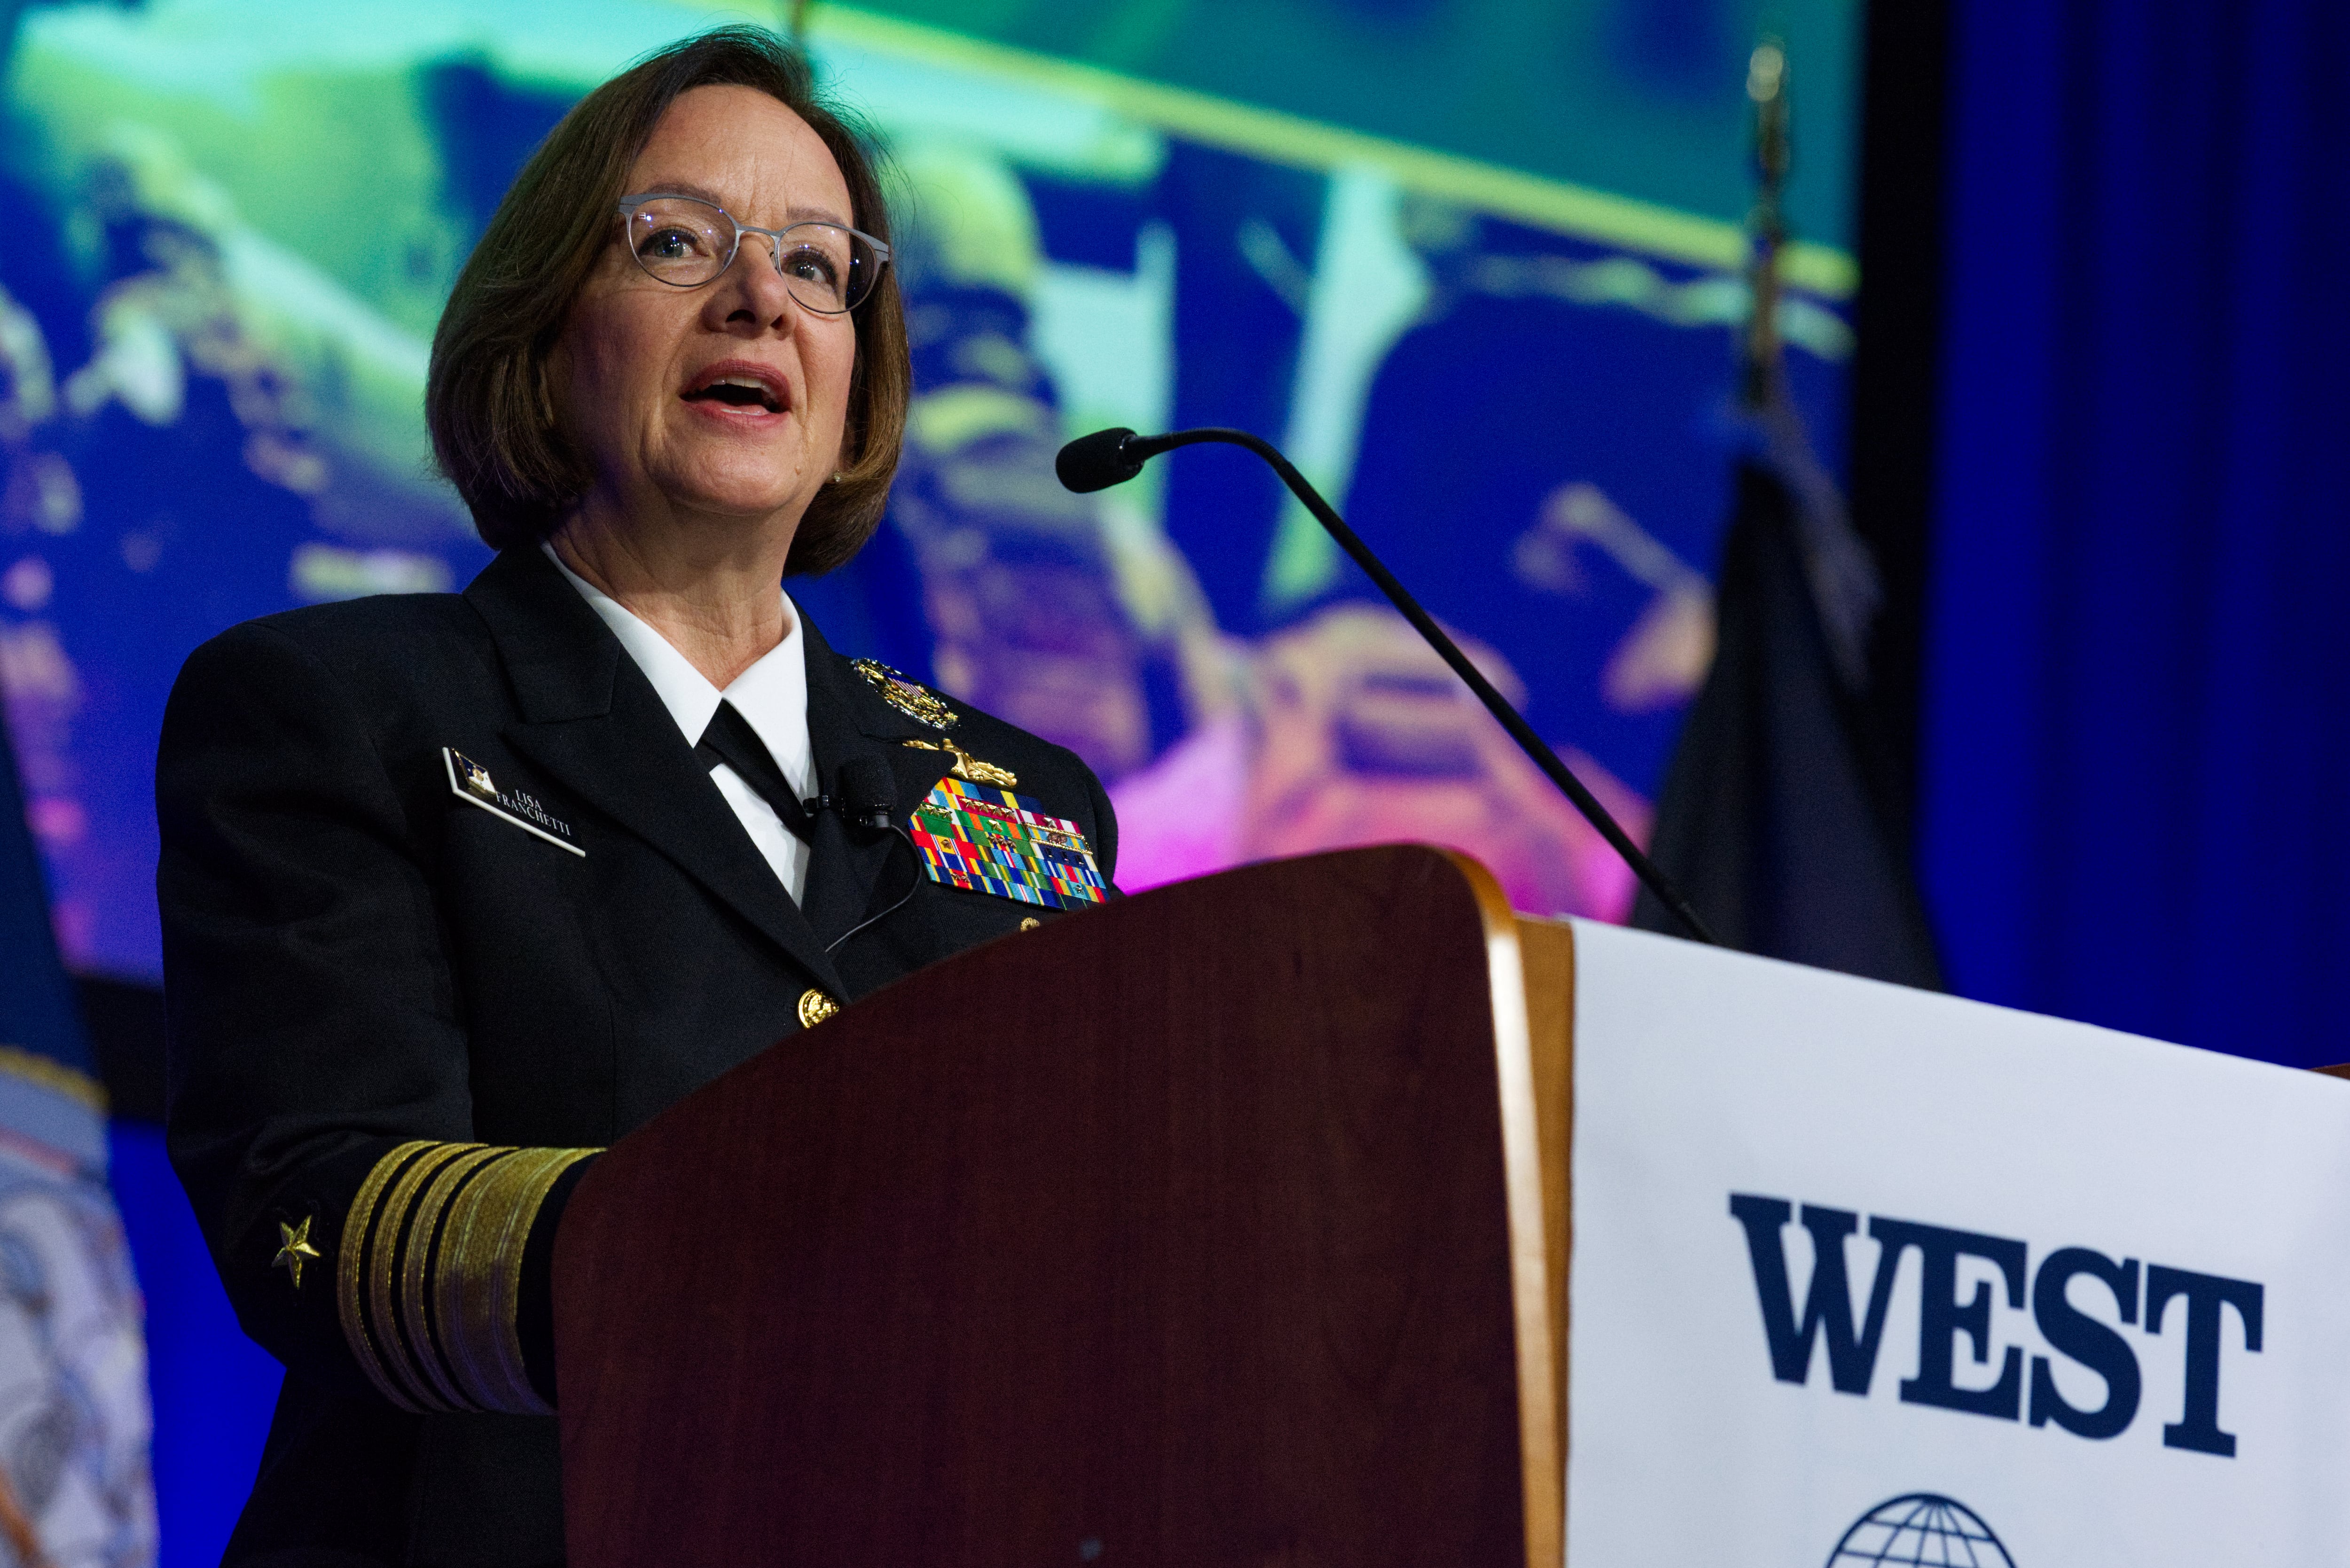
{"x":591,"y":720}
{"x":850,"y":869}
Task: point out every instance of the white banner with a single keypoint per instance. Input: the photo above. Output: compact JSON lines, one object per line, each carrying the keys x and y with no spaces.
{"x":2093,"y":1303}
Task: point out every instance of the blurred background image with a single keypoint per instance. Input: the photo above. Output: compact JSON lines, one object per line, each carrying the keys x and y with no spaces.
{"x":1383,"y":235}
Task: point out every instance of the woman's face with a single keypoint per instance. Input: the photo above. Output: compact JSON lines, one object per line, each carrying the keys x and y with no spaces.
{"x":631,"y":371}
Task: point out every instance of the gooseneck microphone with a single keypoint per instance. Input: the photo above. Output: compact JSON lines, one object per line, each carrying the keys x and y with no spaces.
{"x":1110,"y":457}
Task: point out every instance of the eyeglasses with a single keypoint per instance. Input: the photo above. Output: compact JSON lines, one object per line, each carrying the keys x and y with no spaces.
{"x":686,"y":243}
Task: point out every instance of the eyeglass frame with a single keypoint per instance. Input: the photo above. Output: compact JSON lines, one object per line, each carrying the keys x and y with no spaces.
{"x":628,"y":206}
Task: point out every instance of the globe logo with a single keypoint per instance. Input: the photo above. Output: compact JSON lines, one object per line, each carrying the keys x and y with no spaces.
{"x":1921,"y":1527}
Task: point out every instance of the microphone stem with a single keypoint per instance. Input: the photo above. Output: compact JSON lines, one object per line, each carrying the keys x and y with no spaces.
{"x":1534,"y":745}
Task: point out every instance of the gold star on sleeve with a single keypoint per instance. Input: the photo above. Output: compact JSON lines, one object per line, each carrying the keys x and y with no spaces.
{"x":294,"y":1246}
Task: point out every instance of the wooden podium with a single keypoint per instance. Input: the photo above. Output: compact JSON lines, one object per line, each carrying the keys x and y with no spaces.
{"x":1223,"y":1224}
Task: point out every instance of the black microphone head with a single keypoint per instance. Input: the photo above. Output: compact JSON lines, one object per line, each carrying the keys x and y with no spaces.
{"x":1096,"y":462}
{"x":868,"y":792}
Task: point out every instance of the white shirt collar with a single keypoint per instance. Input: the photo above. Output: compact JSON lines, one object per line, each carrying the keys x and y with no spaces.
{"x":771,"y":694}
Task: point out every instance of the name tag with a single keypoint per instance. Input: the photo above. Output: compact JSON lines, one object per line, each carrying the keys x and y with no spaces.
{"x":992,"y":841}
{"x":471,"y":783}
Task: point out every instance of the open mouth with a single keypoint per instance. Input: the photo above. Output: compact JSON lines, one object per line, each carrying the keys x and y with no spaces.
{"x":738,"y":391}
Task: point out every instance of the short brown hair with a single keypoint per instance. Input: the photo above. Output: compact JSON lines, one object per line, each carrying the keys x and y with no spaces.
{"x":486,"y":398}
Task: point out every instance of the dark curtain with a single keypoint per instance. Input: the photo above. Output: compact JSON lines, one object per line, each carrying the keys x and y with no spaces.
{"x":2138,"y":684}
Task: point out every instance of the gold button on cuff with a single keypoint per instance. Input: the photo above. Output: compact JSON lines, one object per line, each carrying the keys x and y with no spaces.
{"x":1030,"y":923}
{"x":816,"y":1007}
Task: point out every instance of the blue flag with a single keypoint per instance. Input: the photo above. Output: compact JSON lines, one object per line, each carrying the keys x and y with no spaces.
{"x":75,"y":1491}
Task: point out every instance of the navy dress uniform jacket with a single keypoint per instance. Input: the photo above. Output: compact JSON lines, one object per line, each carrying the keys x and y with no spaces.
{"x":358,"y":964}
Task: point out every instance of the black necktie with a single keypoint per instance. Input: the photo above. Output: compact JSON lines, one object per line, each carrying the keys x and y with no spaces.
{"x":731,"y":740}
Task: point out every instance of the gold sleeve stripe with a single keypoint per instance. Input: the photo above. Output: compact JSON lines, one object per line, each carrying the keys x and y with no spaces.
{"x":429,"y":1275}
{"x":350,"y":1268}
{"x":479,"y":1281}
{"x":460,"y":1314}
{"x":391,"y":1240}
{"x":416,"y":1268}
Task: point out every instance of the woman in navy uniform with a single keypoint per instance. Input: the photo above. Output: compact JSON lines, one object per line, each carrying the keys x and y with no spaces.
{"x":459,"y":888}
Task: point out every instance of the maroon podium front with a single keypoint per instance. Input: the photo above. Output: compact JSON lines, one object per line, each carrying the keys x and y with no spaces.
{"x":1204,"y":1228}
